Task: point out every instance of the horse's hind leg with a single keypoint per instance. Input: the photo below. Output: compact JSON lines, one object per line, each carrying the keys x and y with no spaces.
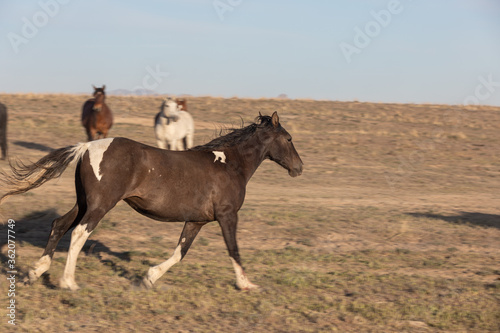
{"x":188,"y":234}
{"x":78,"y":238}
{"x":59,"y":227}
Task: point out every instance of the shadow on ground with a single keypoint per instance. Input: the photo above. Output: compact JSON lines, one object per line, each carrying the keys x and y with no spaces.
{"x":33,"y":145}
{"x":34,"y":229}
{"x":477,"y":219}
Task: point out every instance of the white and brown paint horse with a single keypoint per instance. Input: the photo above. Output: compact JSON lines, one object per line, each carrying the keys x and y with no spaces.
{"x":174,"y":126}
{"x":197,"y":186}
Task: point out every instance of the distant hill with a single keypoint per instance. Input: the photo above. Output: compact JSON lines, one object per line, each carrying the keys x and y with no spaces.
{"x":136,"y":92}
{"x":141,"y":92}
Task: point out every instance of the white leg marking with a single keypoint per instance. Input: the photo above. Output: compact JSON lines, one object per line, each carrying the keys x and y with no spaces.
{"x":242,"y":281}
{"x":96,"y":151}
{"x":155,"y":272}
{"x":41,"y":266}
{"x":78,"y":238}
{"x":219,"y":155}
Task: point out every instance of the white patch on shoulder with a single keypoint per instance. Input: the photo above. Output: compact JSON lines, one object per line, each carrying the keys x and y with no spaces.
{"x":96,"y":152}
{"x":219,"y":155}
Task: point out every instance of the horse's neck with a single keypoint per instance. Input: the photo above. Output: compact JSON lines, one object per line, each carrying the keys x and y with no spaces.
{"x":251,"y":153}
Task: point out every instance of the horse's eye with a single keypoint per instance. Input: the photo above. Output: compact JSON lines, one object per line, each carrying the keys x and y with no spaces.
{"x":289,"y":139}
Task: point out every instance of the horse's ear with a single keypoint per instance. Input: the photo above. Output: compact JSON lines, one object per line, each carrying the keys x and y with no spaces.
{"x":103,"y":86}
{"x":260,"y":115}
{"x":94,"y":87}
{"x":275,"y":119}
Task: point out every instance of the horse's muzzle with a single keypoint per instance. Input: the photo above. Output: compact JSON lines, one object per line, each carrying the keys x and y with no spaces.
{"x":295,"y":172}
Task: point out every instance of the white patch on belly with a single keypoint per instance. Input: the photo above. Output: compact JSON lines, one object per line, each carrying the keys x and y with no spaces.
{"x":96,"y":151}
{"x":219,"y":155}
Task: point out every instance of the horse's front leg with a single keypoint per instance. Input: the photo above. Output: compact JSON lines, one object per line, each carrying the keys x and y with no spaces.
{"x":90,"y":134}
{"x":188,"y":234}
{"x":228,"y":223}
{"x":173,"y":145}
{"x":161,"y":144}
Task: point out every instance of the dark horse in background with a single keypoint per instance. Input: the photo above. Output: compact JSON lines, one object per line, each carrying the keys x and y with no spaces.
{"x":96,"y":115}
{"x":197,"y":186}
{"x":3,"y":130}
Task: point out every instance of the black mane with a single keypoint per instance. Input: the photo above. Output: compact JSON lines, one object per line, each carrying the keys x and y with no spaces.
{"x":236,"y":136}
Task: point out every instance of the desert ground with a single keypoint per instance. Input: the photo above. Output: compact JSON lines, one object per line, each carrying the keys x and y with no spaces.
{"x":394,"y":225}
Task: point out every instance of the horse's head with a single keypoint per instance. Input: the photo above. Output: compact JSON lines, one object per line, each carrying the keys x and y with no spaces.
{"x":169,"y":108}
{"x":99,"y":96}
{"x":280,"y":149}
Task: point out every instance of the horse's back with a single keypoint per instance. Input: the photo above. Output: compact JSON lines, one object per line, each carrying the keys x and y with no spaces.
{"x":162,"y":184}
{"x":128,"y":166}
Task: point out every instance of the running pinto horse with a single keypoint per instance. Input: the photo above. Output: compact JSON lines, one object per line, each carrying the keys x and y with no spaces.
{"x":197,"y":186}
{"x":96,"y":115}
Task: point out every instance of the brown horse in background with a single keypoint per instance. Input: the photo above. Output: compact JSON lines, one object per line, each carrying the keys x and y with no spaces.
{"x":3,"y":130}
{"x":96,"y":115}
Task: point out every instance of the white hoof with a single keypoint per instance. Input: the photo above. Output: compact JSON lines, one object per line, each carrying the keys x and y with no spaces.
{"x":41,"y":266}
{"x":32,"y":276}
{"x":146,"y":283}
{"x":68,"y":284}
{"x":248,"y":286}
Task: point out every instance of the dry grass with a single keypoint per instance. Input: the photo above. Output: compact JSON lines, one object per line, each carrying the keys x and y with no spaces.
{"x":393,"y":227}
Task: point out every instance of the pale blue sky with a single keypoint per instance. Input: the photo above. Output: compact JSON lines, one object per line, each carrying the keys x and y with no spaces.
{"x":427,"y":51}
